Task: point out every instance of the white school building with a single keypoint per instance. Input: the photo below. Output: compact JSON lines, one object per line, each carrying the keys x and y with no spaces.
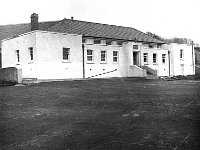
{"x":77,"y":49}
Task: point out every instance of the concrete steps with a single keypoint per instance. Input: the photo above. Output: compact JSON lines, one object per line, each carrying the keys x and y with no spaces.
{"x":29,"y":80}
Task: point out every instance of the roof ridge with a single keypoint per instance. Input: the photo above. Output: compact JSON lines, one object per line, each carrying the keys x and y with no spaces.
{"x":56,"y":23}
{"x":110,"y":25}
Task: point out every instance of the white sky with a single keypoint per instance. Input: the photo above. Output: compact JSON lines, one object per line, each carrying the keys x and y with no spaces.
{"x":167,"y":18}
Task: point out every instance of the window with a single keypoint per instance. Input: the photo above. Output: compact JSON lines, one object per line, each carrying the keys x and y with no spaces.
{"x":135,"y":46}
{"x":89,"y":55}
{"x":181,"y":53}
{"x":115,"y":56}
{"x":163,"y":58}
{"x":66,"y":52}
{"x":154,"y":58}
{"x":150,"y":46}
{"x":31,"y":53}
{"x":145,"y":57}
{"x":103,"y":56}
{"x":17,"y":55}
{"x":97,"y":42}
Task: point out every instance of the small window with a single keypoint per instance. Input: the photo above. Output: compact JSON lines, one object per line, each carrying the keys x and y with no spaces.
{"x":154,"y":58}
{"x":66,"y":53}
{"x":103,"y":56}
{"x":163,"y":58}
{"x":115,"y":56}
{"x":145,"y":57}
{"x":135,"y":46}
{"x":181,"y":53}
{"x":89,"y":55}
{"x":97,"y":41}
{"x":31,"y":53}
{"x":150,"y":46}
{"x":17,"y":55}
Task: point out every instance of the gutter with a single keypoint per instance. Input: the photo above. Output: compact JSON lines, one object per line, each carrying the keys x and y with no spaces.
{"x":83,"y":51}
{"x":193,"y":58}
{"x":169,"y":61}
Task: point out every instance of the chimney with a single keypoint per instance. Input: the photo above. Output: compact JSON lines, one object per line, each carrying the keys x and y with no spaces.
{"x":72,"y":18}
{"x":34,"y":22}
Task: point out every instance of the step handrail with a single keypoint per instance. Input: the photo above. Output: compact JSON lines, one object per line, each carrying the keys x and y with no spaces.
{"x":102,"y":73}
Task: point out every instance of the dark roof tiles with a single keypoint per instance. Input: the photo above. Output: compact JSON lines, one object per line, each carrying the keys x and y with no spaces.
{"x":79,"y":27}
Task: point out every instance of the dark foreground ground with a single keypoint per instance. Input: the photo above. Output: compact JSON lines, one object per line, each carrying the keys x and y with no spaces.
{"x":109,"y":114}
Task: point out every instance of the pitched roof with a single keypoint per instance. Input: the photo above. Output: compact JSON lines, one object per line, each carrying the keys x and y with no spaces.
{"x":84,"y":28}
{"x":8,"y":31}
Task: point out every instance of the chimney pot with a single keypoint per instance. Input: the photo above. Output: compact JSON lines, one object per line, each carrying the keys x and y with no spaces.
{"x":34,"y":22}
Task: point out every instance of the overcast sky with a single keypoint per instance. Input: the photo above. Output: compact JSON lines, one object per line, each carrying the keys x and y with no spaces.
{"x":167,"y":18}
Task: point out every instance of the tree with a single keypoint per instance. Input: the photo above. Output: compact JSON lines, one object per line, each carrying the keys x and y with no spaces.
{"x":172,"y":40}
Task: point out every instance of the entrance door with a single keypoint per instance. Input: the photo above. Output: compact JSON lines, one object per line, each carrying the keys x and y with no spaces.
{"x":182,"y":69}
{"x":136,"y":58}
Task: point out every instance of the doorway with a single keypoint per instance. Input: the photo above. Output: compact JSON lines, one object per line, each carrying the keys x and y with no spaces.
{"x":136,"y":58}
{"x":182,"y":69}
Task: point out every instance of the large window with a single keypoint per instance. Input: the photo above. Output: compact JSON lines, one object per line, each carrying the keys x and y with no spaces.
{"x":163,"y":58}
{"x":103,"y":56}
{"x":154,"y":58}
{"x":66,"y":54}
{"x":31,"y":53}
{"x":115,"y":56}
{"x":145,"y":57}
{"x":90,"y":55}
{"x":17,"y":55}
{"x":181,"y":53}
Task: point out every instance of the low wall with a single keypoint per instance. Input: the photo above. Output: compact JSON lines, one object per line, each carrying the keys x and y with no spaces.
{"x":136,"y":71}
{"x":151,"y":71}
{"x":11,"y":74}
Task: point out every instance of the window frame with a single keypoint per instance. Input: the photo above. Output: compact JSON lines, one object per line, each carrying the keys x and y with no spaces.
{"x":90,"y":55}
{"x":164,"y":58}
{"x":135,"y":47}
{"x":66,"y":54}
{"x":17,"y":56}
{"x":155,"y":60}
{"x":181,"y":54}
{"x":105,"y":56}
{"x":31,"y":54}
{"x":145,"y":56}
{"x":115,"y":56}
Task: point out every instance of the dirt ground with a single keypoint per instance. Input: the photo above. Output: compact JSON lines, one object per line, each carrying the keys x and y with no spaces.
{"x":106,"y":114}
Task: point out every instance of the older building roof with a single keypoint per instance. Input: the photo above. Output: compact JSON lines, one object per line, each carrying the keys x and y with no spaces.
{"x":84,"y":28}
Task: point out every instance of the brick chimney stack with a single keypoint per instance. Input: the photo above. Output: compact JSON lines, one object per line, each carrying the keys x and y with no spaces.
{"x":34,"y":22}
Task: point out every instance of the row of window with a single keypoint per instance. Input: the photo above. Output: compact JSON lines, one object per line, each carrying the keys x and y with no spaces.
{"x":66,"y":55}
{"x":155,"y":59}
{"x":90,"y":57}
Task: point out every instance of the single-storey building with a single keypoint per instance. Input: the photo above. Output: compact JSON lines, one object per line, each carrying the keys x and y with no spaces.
{"x":77,"y":49}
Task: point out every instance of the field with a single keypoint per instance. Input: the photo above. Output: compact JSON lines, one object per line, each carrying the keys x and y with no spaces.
{"x":106,"y":114}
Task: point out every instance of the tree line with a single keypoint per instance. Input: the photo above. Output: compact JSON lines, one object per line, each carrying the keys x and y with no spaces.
{"x":172,"y":40}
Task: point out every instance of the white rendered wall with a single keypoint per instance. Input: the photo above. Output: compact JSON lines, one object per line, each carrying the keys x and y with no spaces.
{"x":47,"y":50}
{"x":163,"y":68}
{"x":50,"y":62}
{"x":21,"y":43}
{"x":183,"y":66}
{"x":97,"y":67}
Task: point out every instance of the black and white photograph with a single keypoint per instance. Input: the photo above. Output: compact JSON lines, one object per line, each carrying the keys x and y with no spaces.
{"x":100,"y":75}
